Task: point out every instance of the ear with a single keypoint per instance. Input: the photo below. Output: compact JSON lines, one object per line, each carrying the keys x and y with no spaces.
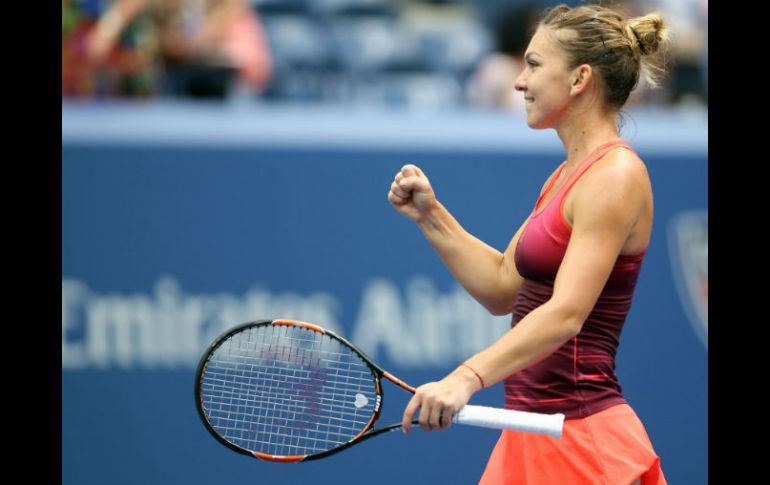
{"x":581,"y":78}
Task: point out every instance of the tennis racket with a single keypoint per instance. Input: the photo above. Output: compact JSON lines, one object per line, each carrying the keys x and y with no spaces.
{"x":288,"y":391}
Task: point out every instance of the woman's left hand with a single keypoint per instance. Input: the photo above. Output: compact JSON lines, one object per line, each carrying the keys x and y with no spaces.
{"x":439,"y":401}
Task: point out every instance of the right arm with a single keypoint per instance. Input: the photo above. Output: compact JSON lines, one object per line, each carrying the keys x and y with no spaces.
{"x":488,"y":275}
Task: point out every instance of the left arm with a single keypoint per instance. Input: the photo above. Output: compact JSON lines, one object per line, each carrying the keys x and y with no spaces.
{"x":605,"y":210}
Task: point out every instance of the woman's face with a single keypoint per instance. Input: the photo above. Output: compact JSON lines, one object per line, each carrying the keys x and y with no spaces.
{"x":545,"y":81}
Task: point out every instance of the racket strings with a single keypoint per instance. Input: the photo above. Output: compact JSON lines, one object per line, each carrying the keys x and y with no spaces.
{"x":286,"y":390}
{"x":222,"y":395}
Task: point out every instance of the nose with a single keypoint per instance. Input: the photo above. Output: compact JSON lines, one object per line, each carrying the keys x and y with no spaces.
{"x":520,"y":84}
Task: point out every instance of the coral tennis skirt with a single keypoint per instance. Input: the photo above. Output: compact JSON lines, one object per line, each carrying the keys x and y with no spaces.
{"x":610,"y":447}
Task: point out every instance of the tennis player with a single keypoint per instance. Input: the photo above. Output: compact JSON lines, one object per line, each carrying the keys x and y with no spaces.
{"x":569,"y":273}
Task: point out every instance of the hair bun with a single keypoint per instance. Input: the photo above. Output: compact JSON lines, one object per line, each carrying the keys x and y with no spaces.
{"x":647,"y":33}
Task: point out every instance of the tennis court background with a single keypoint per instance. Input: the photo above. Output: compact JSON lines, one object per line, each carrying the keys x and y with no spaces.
{"x":179,"y":222}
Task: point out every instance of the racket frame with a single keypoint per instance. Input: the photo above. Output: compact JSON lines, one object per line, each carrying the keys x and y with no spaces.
{"x":367,"y":432}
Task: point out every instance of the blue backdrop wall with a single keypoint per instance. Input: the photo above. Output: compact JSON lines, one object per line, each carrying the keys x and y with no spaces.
{"x":168,"y":242}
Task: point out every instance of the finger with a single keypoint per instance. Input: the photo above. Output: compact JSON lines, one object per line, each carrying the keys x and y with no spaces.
{"x":446,"y":418}
{"x":414,"y":183}
{"x":424,"y":418}
{"x":410,"y":170}
{"x":397,"y":201}
{"x":394,"y":187}
{"x":394,"y":199}
{"x":411,"y":408}
{"x":435,"y":418}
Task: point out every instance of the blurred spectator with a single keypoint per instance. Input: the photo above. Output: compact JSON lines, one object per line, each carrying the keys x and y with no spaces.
{"x":492,"y":83}
{"x":75,"y":24}
{"x":205,"y":48}
{"x":128,"y":70}
{"x":201,"y":47}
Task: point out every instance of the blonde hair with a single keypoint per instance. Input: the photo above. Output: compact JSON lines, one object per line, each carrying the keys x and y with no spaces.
{"x":620,"y":50}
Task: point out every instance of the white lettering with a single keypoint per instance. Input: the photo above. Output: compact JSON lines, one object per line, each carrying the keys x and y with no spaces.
{"x":73,"y":293}
{"x":431,"y":330}
{"x":170,"y":329}
{"x":381,"y":322}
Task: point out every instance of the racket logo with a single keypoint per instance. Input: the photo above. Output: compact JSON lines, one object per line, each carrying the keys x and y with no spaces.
{"x":306,"y":383}
{"x":360,"y":401}
{"x":377,"y":403}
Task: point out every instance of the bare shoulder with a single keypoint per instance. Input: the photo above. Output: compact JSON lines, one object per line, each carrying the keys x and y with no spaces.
{"x":616,"y":184}
{"x":620,"y":171}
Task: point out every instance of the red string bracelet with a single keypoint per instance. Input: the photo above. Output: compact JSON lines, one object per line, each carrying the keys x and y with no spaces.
{"x":477,"y":374}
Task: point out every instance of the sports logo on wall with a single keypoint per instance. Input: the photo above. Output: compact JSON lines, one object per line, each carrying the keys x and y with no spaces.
{"x":689,"y":250}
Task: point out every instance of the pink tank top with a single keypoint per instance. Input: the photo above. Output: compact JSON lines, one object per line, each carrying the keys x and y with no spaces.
{"x":579,"y":378}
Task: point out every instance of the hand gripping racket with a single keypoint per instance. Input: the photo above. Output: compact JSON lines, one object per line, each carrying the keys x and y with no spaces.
{"x":288,"y":391}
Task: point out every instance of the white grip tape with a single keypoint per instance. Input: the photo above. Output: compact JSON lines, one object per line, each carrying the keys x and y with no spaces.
{"x":486,"y":417}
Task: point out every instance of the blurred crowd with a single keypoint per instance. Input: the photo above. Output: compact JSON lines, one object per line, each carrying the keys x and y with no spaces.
{"x":413,"y":53}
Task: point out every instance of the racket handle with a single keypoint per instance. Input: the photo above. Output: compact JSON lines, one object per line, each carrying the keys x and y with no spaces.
{"x":487,"y":417}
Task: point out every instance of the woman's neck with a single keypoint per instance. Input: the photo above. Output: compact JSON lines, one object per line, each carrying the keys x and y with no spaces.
{"x":581,"y":137}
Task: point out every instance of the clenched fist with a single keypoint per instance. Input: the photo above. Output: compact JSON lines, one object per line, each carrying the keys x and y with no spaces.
{"x":411,"y":193}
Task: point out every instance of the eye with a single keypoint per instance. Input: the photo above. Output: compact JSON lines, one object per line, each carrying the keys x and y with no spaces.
{"x":532,"y":63}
